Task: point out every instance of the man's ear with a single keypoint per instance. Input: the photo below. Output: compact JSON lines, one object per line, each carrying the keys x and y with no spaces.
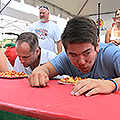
{"x":98,"y":39}
{"x":97,"y":47}
{"x":37,"y":51}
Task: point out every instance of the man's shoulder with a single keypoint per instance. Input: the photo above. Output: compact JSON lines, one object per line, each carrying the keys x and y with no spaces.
{"x":50,"y":21}
{"x":53,"y":23}
{"x":107,"y":45}
{"x":62,"y":56}
{"x":109,"y":49}
{"x":35,"y":23}
{"x":46,"y":51}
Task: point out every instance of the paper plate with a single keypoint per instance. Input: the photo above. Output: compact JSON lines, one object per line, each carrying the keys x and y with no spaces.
{"x":13,"y":77}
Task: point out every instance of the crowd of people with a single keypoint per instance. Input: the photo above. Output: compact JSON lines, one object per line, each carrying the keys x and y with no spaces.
{"x":83,"y":55}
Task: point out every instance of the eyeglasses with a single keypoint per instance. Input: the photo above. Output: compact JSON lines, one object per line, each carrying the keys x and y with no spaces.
{"x":43,"y":6}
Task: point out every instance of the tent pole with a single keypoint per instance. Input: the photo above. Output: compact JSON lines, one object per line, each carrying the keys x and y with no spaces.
{"x":82,"y":7}
{"x":99,"y":15}
{"x":1,"y":18}
{"x":4,"y":7}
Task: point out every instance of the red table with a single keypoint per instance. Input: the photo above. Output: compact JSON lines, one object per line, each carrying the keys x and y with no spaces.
{"x":55,"y":102}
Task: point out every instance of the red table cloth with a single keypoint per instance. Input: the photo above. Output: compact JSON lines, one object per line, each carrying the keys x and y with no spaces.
{"x":55,"y":102}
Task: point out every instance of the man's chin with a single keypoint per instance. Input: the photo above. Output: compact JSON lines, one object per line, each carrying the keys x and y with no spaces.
{"x":26,"y":65}
{"x":85,"y":70}
{"x":42,"y":20}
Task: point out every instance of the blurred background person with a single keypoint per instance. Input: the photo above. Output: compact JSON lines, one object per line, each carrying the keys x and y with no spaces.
{"x":113,"y":34}
{"x":10,"y":53}
{"x":47,"y":31}
{"x":4,"y":63}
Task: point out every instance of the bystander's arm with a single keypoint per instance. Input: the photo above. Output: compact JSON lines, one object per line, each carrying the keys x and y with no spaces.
{"x":107,"y":36}
{"x":3,"y":63}
{"x":59,"y":46}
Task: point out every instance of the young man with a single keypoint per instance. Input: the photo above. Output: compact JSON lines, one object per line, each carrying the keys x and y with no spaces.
{"x":47,"y":31}
{"x":84,"y":56}
{"x":30,"y":54}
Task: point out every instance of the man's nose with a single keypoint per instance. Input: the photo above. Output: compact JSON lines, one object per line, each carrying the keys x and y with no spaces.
{"x":81,"y":62}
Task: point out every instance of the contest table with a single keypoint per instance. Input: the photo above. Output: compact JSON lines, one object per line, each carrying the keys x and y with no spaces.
{"x":55,"y":102}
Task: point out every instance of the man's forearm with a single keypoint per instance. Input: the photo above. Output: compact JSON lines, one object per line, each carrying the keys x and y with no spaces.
{"x":59,"y":47}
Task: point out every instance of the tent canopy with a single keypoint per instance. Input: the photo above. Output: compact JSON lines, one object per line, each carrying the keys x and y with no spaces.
{"x":17,"y":17}
{"x":70,"y":8}
{"x":12,"y":19}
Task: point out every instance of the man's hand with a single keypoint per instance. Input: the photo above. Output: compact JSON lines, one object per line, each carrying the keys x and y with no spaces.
{"x":93,"y":86}
{"x":38,"y":79}
{"x":115,"y":42}
{"x":40,"y":75}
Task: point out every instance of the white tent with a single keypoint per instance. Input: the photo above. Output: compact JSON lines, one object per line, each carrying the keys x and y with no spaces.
{"x":70,"y":8}
{"x":16,"y":20}
{"x":76,"y":7}
{"x":17,"y":17}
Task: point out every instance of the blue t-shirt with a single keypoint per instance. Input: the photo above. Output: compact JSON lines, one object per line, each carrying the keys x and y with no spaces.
{"x":107,"y":64}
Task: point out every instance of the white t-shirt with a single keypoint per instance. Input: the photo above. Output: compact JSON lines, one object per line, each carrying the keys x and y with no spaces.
{"x":48,"y":34}
{"x":46,"y":56}
{"x":112,"y":37}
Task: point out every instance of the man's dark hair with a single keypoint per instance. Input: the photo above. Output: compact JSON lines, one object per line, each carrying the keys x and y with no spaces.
{"x":30,"y":38}
{"x":79,"y":29}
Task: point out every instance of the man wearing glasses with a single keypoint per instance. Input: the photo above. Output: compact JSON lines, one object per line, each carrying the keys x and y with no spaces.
{"x":47,"y":31}
{"x":30,"y":54}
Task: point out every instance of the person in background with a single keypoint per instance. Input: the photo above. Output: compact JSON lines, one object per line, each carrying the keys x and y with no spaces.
{"x":83,"y":57}
{"x":10,"y":53}
{"x":4,"y":63}
{"x":113,"y":34}
{"x":30,"y":54}
{"x":47,"y":31}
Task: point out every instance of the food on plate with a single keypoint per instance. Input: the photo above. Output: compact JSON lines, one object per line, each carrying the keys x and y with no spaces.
{"x":70,"y":80}
{"x":13,"y":73}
